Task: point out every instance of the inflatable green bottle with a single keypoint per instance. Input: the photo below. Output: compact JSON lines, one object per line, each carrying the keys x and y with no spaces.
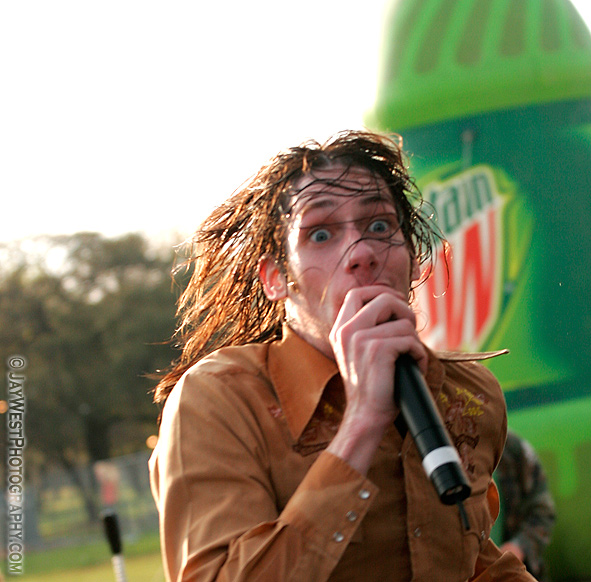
{"x":493,"y":101}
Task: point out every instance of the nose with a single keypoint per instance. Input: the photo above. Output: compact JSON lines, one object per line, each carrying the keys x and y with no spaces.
{"x":361,"y":258}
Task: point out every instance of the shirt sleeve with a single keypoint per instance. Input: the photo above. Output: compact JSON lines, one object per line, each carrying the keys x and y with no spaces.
{"x":492,"y":564}
{"x":218,"y":512}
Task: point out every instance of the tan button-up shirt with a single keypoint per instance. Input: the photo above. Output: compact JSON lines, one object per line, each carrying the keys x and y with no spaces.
{"x":246,"y":491}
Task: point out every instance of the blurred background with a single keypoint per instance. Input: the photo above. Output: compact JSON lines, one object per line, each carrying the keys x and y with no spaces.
{"x":122,"y":124}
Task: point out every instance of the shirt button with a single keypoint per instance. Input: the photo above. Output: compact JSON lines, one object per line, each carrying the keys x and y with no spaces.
{"x":483,"y":535}
{"x":417,"y":532}
{"x":364,"y":494}
{"x":351,"y":515}
{"x":338,"y":537}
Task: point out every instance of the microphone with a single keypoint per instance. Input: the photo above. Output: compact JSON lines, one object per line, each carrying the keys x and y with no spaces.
{"x":440,"y":458}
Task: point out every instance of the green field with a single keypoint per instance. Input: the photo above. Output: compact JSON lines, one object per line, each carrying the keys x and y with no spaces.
{"x":138,"y":568}
{"x":92,"y":563}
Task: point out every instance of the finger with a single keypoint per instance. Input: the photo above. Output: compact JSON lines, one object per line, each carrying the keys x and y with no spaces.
{"x":374,"y":304}
{"x":379,"y":347}
{"x":381,"y":310}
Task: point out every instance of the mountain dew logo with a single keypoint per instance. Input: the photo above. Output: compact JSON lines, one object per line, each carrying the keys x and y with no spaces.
{"x":459,"y":302}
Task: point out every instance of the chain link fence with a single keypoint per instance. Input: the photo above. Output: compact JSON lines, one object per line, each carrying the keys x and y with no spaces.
{"x":64,"y":506}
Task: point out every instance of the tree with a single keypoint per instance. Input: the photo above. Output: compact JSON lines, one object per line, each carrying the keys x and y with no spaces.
{"x":92,"y":316}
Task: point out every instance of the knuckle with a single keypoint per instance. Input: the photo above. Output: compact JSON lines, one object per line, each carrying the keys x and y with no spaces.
{"x":407,"y":326}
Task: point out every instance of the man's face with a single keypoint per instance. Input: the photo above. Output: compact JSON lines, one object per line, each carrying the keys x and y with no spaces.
{"x":343,"y":232}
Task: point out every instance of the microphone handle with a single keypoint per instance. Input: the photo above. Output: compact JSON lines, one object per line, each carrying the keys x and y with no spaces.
{"x":440,"y":458}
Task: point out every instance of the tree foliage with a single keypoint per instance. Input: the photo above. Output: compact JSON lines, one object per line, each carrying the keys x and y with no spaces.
{"x":92,"y":315}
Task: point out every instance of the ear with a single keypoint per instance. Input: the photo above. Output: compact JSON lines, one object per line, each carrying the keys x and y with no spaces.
{"x":273,"y":280}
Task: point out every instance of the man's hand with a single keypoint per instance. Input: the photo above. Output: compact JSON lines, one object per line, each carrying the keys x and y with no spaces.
{"x":374,"y":326}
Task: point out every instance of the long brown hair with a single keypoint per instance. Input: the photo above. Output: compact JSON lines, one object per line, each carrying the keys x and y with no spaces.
{"x":224,"y":303}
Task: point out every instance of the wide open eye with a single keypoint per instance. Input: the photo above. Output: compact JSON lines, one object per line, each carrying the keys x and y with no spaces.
{"x":386,"y":228}
{"x":320,"y":235}
{"x":380,"y":227}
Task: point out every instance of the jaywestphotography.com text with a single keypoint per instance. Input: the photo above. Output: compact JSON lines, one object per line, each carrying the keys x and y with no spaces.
{"x":15,"y":465}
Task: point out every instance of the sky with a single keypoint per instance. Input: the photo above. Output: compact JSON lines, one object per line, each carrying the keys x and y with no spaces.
{"x":141,"y":115}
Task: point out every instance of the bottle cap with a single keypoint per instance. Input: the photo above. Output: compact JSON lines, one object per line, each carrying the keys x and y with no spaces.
{"x":444,"y":59}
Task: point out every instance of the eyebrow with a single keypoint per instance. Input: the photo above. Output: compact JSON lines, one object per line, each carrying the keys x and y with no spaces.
{"x":329,"y":201}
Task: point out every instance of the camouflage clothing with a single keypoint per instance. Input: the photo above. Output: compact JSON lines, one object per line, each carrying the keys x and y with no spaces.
{"x":528,"y":513}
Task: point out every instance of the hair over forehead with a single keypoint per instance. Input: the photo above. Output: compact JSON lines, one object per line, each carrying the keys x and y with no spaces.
{"x":376,"y":153}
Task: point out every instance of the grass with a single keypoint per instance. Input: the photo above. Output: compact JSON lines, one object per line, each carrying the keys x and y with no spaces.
{"x":92,"y":562}
{"x":146,"y":568}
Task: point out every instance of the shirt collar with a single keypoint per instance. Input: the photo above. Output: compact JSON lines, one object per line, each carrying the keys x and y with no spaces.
{"x":435,"y":372}
{"x":299,"y":373}
{"x":435,"y":375}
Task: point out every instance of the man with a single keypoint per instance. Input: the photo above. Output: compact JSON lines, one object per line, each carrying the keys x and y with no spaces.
{"x":528,"y":514}
{"x":281,"y":455}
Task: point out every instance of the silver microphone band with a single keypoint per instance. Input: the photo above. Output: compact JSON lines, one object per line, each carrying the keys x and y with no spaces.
{"x":439,"y":457}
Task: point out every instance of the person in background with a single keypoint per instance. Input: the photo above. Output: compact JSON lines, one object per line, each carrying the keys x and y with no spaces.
{"x":281,"y":453}
{"x":527,"y":514}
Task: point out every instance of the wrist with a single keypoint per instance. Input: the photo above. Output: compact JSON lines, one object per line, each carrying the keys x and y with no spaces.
{"x":358,"y":438}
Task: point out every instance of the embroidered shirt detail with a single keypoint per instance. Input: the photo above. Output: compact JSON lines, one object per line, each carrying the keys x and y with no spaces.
{"x":462,"y":410}
{"x":320,"y":430}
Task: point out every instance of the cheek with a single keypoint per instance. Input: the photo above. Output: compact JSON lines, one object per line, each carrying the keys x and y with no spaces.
{"x":304,"y":264}
{"x":309,"y":279}
{"x":310,"y":282}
